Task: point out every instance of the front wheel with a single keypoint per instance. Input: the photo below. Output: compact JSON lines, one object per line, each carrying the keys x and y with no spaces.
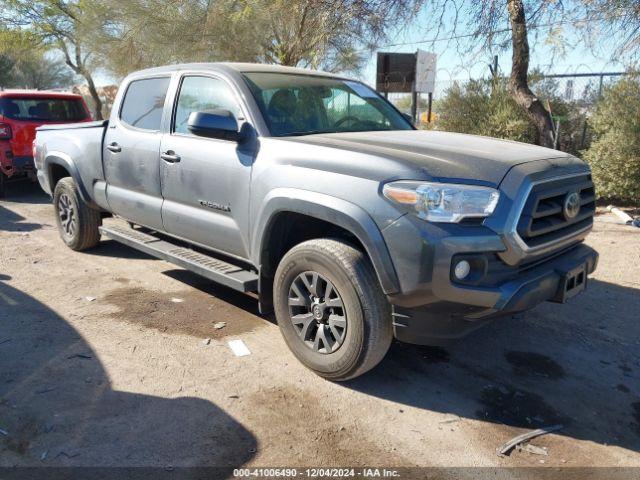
{"x":77,"y":222}
{"x":331,"y":310}
{"x":3,"y":181}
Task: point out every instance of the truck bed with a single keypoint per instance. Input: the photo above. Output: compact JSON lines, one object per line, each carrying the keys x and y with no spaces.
{"x":72,"y":146}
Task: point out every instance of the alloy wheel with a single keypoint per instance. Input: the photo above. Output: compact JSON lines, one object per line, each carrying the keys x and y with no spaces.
{"x":317,"y":312}
{"x":68,"y":216}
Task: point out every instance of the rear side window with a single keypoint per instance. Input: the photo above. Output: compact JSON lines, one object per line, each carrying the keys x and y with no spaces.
{"x":43,"y":109}
{"x":143,"y":103}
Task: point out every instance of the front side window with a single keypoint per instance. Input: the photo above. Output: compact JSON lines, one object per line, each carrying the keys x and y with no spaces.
{"x":143,"y":103}
{"x":294,"y":104}
{"x":199,"y":94}
{"x":43,"y":109}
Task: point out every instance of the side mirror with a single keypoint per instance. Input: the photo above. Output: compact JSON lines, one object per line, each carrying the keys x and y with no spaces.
{"x":218,"y":123}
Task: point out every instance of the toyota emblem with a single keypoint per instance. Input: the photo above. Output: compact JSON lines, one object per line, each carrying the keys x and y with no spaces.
{"x":571,"y":205}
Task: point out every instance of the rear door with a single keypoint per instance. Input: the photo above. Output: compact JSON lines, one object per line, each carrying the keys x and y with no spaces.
{"x":132,"y":149}
{"x":206,"y":191}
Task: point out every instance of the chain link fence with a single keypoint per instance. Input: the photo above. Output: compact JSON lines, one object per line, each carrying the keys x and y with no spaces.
{"x":484,"y":106}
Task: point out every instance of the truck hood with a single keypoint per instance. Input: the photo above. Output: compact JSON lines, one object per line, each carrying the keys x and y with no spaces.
{"x":440,"y":155}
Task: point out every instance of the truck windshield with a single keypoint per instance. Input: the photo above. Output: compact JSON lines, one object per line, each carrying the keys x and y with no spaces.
{"x":43,"y":109}
{"x":295,"y":104}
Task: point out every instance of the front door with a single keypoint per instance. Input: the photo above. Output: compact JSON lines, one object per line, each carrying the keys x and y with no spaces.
{"x":131,"y":153}
{"x":205,"y":181}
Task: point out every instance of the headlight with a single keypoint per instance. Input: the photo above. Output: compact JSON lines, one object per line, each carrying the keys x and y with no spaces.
{"x":443,"y":202}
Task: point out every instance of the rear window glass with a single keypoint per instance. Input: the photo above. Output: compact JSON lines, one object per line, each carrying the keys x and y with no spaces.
{"x":143,"y":103}
{"x":43,"y":109}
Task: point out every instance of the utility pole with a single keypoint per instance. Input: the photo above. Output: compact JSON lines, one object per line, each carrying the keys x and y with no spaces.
{"x":493,"y":68}
{"x":414,"y":94}
{"x":414,"y":103}
{"x":600,"y":84}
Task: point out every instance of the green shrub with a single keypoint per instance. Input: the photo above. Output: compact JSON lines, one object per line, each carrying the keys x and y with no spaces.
{"x":481,"y":108}
{"x":614,"y":154}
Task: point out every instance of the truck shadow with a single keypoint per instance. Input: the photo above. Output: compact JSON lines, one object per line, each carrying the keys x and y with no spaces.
{"x":12,"y":222}
{"x":58,"y":407}
{"x":247,"y":302}
{"x":576,"y":364}
{"x":25,"y":191}
{"x":111,"y":248}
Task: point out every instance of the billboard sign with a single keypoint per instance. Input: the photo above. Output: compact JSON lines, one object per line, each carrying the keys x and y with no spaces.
{"x":425,"y":71}
{"x":396,"y":72}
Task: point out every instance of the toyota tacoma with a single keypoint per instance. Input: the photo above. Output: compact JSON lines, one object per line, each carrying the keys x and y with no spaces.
{"x":315,"y":192}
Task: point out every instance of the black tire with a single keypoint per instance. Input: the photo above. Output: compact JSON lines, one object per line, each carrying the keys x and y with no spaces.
{"x":3,"y":182}
{"x":364,"y":341}
{"x":77,"y":222}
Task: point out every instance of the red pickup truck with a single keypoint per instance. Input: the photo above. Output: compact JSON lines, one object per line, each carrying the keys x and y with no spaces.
{"x":21,"y":111}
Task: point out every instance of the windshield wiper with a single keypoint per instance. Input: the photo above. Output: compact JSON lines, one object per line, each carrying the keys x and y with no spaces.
{"x":307,"y":132}
{"x":316,"y":132}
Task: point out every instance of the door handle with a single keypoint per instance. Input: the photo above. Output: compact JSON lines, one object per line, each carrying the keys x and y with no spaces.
{"x":170,"y":156}
{"x":114,"y":147}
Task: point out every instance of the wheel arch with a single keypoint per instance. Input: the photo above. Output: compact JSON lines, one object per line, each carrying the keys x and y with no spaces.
{"x":345,"y":216}
{"x":56,"y":164}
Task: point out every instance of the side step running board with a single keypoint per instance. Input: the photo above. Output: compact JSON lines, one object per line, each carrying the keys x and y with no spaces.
{"x":204,"y":265}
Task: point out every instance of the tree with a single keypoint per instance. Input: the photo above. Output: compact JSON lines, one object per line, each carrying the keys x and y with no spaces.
{"x":6,"y":65}
{"x":40,"y":72}
{"x":331,"y":35}
{"x":14,"y":45}
{"x":26,"y":63}
{"x":518,"y":82}
{"x":618,"y":22}
{"x":63,"y":25}
{"x":497,"y":25}
{"x":324,"y":34}
{"x":139,"y":34}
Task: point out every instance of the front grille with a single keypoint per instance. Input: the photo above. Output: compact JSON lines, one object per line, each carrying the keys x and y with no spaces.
{"x":544,"y":218}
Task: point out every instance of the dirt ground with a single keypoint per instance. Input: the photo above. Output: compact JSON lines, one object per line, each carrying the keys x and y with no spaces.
{"x":102,"y":363}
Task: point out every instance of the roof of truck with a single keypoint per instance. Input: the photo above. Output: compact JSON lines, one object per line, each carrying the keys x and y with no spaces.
{"x":237,"y":66}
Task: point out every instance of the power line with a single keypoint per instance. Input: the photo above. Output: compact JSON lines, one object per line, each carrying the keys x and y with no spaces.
{"x":503,"y":30}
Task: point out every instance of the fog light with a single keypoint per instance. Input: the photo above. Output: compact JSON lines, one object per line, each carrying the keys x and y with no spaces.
{"x":462,"y":269}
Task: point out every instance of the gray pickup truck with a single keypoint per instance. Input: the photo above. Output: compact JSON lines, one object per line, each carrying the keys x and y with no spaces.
{"x":315,"y":192}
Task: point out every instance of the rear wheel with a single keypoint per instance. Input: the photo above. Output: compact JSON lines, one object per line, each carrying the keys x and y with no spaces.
{"x":77,"y":222}
{"x":331,"y":310}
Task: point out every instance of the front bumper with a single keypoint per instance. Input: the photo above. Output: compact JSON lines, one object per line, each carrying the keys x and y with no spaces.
{"x":444,"y":321}
{"x":433,"y":307}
